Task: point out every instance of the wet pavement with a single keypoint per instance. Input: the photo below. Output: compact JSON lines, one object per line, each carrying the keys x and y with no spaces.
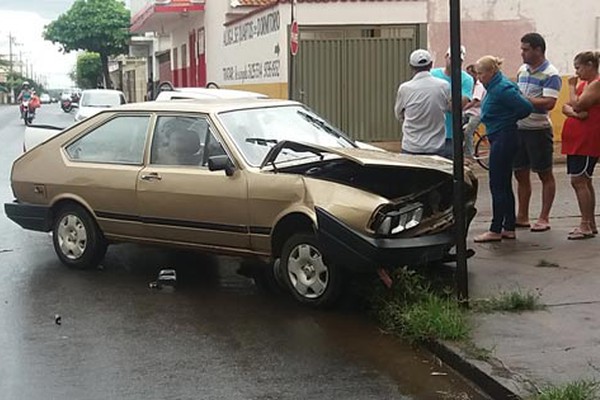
{"x":215,"y":336}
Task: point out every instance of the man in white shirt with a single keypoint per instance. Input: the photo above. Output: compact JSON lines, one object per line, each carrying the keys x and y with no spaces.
{"x":420,"y":106}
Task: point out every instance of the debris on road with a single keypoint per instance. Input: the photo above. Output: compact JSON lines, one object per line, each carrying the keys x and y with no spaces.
{"x":167,"y":278}
{"x":57,"y":319}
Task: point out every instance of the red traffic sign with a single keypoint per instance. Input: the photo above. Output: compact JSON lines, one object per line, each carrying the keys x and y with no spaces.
{"x":294,"y":43}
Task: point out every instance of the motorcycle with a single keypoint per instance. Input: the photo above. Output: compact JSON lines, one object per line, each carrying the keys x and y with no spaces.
{"x":66,"y":105}
{"x":27,"y":112}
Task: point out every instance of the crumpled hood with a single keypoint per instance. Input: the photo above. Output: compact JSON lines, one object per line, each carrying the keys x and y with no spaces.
{"x":386,"y":158}
{"x":366,"y":157}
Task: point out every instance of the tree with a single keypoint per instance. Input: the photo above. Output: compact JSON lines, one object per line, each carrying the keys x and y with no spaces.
{"x":99,"y":26}
{"x":88,"y":71}
{"x":15,"y":82}
{"x":3,"y":62}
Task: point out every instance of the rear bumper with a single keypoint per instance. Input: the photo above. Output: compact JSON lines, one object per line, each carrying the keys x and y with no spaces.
{"x":360,"y":252}
{"x":29,"y":216}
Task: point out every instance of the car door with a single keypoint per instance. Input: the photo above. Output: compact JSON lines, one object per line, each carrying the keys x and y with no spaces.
{"x":179,"y":199}
{"x":103,"y":166}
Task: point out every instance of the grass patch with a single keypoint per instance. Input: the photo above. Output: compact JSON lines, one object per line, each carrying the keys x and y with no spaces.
{"x":547,"y":264}
{"x":514,"y":301}
{"x":413,"y":310}
{"x":578,"y":390}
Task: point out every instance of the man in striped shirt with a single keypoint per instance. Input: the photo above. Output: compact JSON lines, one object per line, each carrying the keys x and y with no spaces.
{"x":540,"y":82}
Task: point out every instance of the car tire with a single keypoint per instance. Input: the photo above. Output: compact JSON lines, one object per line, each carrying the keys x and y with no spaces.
{"x":77,"y":239}
{"x":310,"y":277}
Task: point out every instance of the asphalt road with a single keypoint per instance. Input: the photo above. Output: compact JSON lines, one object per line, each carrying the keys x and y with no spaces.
{"x":214,"y":337}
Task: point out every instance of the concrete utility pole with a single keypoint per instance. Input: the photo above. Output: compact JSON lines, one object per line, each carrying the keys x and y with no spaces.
{"x":10,"y":67}
{"x":462,"y":278}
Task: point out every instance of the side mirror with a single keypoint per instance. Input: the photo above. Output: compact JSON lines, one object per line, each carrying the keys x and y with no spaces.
{"x":221,"y":163}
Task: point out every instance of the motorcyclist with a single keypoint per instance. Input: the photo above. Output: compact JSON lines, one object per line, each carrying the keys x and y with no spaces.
{"x":24,"y":96}
{"x":26,"y":92}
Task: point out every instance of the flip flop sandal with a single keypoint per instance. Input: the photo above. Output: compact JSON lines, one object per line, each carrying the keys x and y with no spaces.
{"x":537,"y":227}
{"x":518,"y":225}
{"x":487,"y":238}
{"x":578,"y":234}
{"x":509,"y":236}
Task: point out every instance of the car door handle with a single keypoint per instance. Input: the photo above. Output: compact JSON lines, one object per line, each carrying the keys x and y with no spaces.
{"x":152,"y":176}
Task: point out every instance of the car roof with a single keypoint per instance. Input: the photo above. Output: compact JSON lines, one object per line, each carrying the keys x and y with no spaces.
{"x":205,"y":105}
{"x":102,"y":90}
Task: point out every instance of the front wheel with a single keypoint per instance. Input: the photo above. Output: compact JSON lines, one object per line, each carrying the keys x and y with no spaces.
{"x":77,"y":240}
{"x":310,"y":277}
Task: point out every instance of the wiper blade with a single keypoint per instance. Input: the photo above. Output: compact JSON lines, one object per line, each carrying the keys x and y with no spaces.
{"x":324,"y":125}
{"x":262,"y":141}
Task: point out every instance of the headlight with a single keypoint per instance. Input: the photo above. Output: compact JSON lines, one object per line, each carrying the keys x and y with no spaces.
{"x":401,"y":220}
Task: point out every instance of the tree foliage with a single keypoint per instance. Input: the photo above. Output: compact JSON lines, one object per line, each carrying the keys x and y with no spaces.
{"x":4,"y":62}
{"x":15,"y":81}
{"x":88,"y":71}
{"x":98,"y":26}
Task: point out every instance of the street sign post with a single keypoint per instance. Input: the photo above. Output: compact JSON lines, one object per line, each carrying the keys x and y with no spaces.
{"x":294,"y":46}
{"x":294,"y":43}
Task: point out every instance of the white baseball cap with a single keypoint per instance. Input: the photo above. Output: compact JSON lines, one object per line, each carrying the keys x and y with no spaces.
{"x":420,"y":58}
{"x":463,"y":52}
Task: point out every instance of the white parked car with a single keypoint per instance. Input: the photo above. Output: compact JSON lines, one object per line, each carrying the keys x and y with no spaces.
{"x":95,"y":100}
{"x":206,"y":94}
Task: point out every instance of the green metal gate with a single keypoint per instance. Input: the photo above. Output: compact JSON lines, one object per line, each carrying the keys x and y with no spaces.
{"x":351,"y":75}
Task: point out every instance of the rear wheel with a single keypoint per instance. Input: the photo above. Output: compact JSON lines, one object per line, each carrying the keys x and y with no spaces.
{"x":482,"y":151}
{"x":310,"y":277}
{"x":77,"y":240}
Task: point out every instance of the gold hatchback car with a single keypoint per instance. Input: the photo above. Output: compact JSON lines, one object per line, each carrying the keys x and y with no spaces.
{"x":257,"y":178}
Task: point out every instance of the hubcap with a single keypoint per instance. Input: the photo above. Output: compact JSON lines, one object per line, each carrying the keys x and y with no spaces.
{"x":72,"y":237}
{"x":307,"y":271}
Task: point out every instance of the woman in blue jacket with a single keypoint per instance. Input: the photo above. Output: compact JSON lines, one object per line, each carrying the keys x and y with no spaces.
{"x":502,"y":107}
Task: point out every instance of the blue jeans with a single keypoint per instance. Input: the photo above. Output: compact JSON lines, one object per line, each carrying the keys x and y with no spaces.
{"x":448,"y":151}
{"x":471,"y":124}
{"x":503,"y":147}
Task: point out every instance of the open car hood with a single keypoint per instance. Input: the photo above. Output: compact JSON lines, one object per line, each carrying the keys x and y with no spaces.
{"x":363,"y":157}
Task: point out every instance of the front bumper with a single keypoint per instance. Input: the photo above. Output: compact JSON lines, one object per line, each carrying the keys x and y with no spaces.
{"x":359,"y":252}
{"x":29,"y":216}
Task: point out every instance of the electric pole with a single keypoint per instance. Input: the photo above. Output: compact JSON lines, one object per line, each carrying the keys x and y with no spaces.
{"x":10,"y":67}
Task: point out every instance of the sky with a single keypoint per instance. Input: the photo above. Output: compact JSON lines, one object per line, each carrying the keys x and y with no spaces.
{"x":25,"y":20}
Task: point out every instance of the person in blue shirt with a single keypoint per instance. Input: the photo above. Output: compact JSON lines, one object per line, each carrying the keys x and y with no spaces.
{"x":26,"y":92}
{"x":501,"y":108}
{"x":467,"y":94}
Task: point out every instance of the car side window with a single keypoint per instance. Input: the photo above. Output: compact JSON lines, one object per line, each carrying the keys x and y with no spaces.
{"x":183,"y":141}
{"x":119,"y":141}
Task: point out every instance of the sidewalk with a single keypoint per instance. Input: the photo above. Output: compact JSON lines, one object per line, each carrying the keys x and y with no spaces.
{"x":561,"y":343}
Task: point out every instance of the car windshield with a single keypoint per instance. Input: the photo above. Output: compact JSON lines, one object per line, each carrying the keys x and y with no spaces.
{"x":255,"y":131}
{"x":101,"y":99}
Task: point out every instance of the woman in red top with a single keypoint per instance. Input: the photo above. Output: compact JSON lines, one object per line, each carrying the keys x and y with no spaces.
{"x":581,"y":138}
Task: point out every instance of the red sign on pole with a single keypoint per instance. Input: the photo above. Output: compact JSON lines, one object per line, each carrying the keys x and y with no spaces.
{"x":294,"y":43}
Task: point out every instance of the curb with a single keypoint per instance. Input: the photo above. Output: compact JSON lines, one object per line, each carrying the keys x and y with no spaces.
{"x":482,"y":380}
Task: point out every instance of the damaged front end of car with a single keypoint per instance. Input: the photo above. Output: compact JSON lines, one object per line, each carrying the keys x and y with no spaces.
{"x":416,"y":228}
